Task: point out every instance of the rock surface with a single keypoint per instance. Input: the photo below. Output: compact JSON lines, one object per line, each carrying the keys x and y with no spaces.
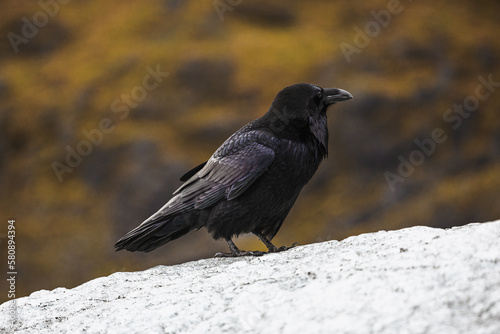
{"x":414,"y":280}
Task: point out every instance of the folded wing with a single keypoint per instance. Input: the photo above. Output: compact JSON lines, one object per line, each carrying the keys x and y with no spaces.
{"x":232,"y":169}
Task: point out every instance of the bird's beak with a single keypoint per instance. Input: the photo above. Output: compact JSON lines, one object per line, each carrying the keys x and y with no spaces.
{"x":334,"y":95}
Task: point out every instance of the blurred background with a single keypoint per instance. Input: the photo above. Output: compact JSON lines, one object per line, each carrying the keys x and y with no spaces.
{"x":105,"y":104}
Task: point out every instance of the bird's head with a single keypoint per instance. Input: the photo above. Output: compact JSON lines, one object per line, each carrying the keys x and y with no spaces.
{"x":296,"y":99}
{"x":301,"y":108}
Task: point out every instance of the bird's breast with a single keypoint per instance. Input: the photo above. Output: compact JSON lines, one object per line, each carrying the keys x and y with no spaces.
{"x":296,"y":161}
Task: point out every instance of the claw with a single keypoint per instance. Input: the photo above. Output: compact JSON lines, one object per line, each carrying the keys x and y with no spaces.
{"x":284,"y":248}
{"x":221,"y":254}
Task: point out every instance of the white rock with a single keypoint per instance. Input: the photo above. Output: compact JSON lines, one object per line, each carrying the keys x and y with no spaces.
{"x":415,"y":280}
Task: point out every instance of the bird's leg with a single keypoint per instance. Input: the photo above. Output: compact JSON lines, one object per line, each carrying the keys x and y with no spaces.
{"x":236,"y":252}
{"x":232,"y":247}
{"x":272,"y":248}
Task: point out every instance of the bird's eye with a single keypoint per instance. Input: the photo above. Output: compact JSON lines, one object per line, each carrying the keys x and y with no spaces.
{"x":319,"y":94}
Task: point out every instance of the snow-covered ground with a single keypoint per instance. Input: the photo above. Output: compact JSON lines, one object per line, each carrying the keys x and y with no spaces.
{"x":415,"y":280}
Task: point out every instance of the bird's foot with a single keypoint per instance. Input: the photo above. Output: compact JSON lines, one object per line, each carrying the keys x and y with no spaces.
{"x":240,"y":253}
{"x":235,"y":252}
{"x":272,"y":248}
{"x":283,"y":248}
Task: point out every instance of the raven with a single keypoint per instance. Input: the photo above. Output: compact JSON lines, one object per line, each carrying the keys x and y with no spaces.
{"x":253,"y":179}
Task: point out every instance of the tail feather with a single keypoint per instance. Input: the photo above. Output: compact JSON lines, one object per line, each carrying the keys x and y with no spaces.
{"x":153,"y":234}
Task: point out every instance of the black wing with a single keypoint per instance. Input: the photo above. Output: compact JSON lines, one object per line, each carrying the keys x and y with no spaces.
{"x":226,"y":175}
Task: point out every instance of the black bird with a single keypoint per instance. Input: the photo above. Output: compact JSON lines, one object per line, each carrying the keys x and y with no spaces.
{"x":252,"y":181}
